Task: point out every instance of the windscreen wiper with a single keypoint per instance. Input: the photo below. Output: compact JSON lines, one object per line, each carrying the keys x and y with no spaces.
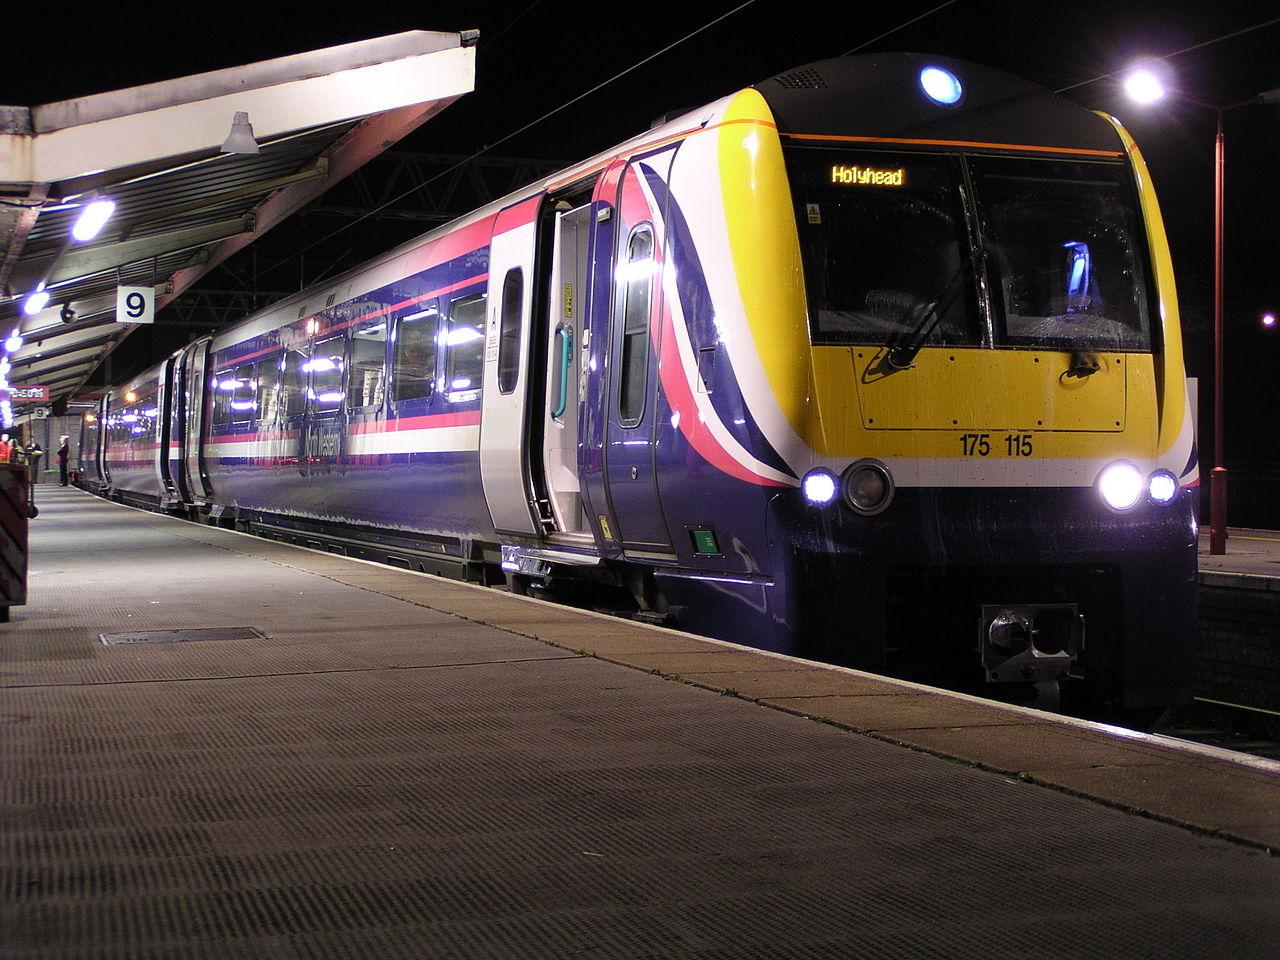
{"x":924,"y":317}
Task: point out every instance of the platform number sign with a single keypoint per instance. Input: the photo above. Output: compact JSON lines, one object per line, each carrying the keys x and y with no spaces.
{"x":135,"y":305}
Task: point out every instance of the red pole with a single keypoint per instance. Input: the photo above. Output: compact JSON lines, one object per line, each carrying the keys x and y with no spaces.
{"x":1218,"y":478}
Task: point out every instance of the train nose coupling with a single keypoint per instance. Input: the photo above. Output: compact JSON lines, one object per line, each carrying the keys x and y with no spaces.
{"x":1030,"y":642}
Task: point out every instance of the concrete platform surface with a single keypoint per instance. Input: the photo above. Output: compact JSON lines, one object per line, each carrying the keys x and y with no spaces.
{"x":1251,"y":552}
{"x":387,"y":773}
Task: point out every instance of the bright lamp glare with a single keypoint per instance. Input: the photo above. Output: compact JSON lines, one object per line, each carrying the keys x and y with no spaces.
{"x":14,"y":343}
{"x":1268,"y":319}
{"x":1162,"y":487}
{"x":35,"y":303}
{"x":92,"y":219}
{"x":1121,"y":485}
{"x":819,"y":486}
{"x":940,"y":86}
{"x":1143,"y":86}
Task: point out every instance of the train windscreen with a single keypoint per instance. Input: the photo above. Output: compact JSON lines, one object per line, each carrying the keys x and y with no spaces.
{"x":886,"y":249}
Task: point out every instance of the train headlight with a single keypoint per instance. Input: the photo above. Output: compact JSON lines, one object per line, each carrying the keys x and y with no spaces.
{"x":868,"y":487}
{"x":1162,"y":487}
{"x":1121,"y":485}
{"x":819,"y":486}
{"x":941,"y":86}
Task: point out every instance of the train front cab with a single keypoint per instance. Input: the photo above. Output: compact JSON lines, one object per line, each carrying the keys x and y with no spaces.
{"x":993,"y":345}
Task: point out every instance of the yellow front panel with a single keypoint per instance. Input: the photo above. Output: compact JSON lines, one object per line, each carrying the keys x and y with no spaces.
{"x":989,"y":390}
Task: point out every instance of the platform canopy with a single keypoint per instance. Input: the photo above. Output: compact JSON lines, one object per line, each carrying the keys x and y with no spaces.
{"x":183,"y":204}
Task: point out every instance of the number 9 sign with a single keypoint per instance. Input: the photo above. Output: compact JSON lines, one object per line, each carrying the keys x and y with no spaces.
{"x":135,"y":305}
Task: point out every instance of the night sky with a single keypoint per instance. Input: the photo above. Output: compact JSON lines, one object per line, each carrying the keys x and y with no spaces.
{"x":535,"y":56}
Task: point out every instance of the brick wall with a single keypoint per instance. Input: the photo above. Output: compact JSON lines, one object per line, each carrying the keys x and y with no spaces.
{"x":1239,"y":658}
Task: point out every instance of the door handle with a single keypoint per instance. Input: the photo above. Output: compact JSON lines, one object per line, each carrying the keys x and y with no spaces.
{"x":635,"y":473}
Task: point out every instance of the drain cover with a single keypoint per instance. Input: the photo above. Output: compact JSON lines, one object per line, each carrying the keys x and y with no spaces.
{"x":183,"y":636}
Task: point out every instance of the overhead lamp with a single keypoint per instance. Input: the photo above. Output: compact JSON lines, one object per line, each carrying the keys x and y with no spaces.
{"x":1268,"y":320}
{"x":1143,"y":86}
{"x":241,"y":138}
{"x":14,"y":343}
{"x":36,"y":301}
{"x":93,"y":217}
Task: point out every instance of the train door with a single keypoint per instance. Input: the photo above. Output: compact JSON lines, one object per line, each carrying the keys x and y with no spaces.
{"x":325,"y":423}
{"x":195,"y":388}
{"x":631,"y":398}
{"x":567,"y":305}
{"x":503,"y":438}
{"x":166,"y":404}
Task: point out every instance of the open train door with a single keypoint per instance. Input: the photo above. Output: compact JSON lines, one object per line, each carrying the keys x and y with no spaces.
{"x":193,"y":386}
{"x":503,"y":434}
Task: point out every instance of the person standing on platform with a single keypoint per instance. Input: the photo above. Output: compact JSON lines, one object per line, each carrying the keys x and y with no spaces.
{"x":6,"y":449}
{"x":64,"y":451}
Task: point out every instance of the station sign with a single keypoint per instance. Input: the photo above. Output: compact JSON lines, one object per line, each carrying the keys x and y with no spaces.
{"x":135,"y":304}
{"x":29,"y":394}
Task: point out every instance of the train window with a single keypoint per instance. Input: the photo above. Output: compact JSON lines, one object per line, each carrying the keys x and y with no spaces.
{"x":325,"y":394}
{"x":634,"y":366}
{"x":509,"y":333}
{"x":293,"y":383}
{"x":244,"y":405}
{"x":224,"y":388}
{"x":368,"y":365}
{"x":269,"y":391}
{"x":464,"y":343}
{"x":414,"y":370}
{"x":882,"y":237}
{"x":1064,"y":253}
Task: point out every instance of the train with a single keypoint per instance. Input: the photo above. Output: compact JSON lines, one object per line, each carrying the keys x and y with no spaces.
{"x":877,"y":360}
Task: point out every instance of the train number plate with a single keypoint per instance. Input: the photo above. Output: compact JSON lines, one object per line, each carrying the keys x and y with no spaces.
{"x":997,"y":445}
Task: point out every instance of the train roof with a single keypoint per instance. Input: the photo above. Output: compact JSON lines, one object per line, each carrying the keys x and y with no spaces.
{"x":880,"y":96}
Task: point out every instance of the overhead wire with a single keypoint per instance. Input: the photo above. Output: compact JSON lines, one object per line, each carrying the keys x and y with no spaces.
{"x":901,"y":26}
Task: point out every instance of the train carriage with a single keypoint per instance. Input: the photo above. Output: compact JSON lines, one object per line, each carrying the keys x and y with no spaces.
{"x":877,"y":360}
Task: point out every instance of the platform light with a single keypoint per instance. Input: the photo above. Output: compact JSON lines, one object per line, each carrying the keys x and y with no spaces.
{"x":941,"y":86}
{"x":1269,"y":320}
{"x":14,"y":343}
{"x":1121,"y":485}
{"x":819,"y":486}
{"x":93,"y":217}
{"x":240,"y":140}
{"x":36,"y":301}
{"x":1143,"y":86}
{"x":1162,"y":487}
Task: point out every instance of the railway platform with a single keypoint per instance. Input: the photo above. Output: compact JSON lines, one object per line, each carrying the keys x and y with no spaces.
{"x":359,"y":761}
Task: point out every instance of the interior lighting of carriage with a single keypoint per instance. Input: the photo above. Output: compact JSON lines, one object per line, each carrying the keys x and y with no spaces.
{"x":130,"y":397}
{"x":819,"y":486}
{"x":1143,"y":86}
{"x":941,"y":86}
{"x":460,"y":335}
{"x":420,"y":314}
{"x":330,"y":396}
{"x":93,"y":217}
{"x":129,"y":418}
{"x":14,"y":343}
{"x":1162,"y":487}
{"x":634,"y":270}
{"x":228,"y":385}
{"x":1121,"y":485}
{"x":461,"y":383}
{"x":319,"y":365}
{"x":36,"y":301}
{"x":370,"y":331}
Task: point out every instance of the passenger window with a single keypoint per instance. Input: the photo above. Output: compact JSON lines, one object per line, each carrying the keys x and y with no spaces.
{"x":368,"y":366}
{"x":293,"y":383}
{"x":325,"y":366}
{"x":269,"y":391}
{"x":464,"y":365}
{"x":244,"y":395}
{"x":224,"y":387}
{"x":634,"y":367}
{"x":509,"y":342}
{"x":415,"y":353}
